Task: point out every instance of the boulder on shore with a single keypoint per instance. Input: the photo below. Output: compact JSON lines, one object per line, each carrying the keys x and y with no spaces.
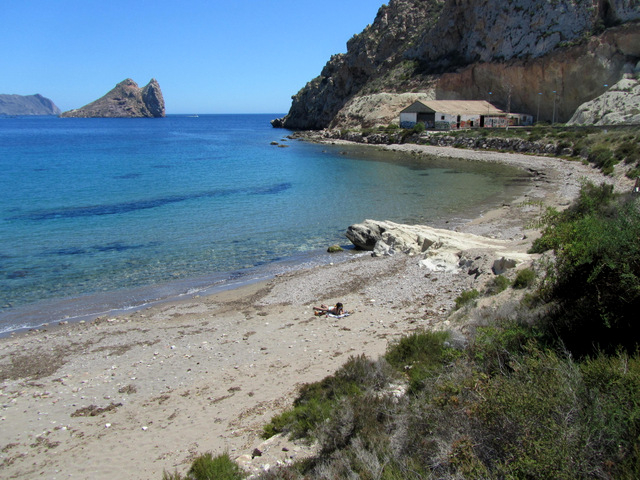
{"x":125,"y":100}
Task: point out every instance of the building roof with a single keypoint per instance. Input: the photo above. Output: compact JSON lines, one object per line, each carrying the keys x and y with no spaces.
{"x":454,"y":107}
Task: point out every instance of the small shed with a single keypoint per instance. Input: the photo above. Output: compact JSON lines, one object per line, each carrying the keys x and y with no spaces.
{"x":455,"y":114}
{"x":520,"y":119}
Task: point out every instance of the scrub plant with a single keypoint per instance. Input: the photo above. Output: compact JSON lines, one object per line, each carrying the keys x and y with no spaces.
{"x":316,"y":401}
{"x":524,"y":278}
{"x":595,"y":280}
{"x":466,"y":298}
{"x":418,"y":354}
{"x":208,"y":467}
{"x":497,"y":284}
{"x":602,"y":157}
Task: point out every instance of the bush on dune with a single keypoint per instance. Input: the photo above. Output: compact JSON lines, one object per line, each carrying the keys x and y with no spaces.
{"x":208,"y":467}
{"x":536,"y":413}
{"x":595,"y":281}
{"x":316,"y":401}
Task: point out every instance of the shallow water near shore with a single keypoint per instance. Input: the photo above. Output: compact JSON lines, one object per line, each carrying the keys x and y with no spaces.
{"x":103,"y":215}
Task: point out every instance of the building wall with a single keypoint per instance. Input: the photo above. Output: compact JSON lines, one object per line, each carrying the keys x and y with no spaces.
{"x":445,"y":121}
{"x":495,"y":122}
{"x":455,"y":122}
{"x":525,"y":119}
{"x":408,"y":120}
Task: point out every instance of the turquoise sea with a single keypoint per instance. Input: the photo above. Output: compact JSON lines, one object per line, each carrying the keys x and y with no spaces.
{"x":104,"y":215}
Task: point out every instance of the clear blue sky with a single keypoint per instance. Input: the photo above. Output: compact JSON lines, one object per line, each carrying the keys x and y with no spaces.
{"x":208,"y":56}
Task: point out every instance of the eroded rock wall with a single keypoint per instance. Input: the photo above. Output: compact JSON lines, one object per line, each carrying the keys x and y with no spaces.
{"x":577,"y":74}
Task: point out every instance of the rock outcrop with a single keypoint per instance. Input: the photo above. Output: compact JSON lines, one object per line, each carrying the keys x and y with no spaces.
{"x":27,"y":105}
{"x":620,"y":105}
{"x":443,"y":250}
{"x":126,"y":100}
{"x":463,"y":49}
{"x":376,"y":109}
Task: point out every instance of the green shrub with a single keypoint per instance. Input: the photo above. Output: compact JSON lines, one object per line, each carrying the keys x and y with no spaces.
{"x":509,"y":409}
{"x":419,"y":354}
{"x":629,"y":151}
{"x":467,"y":297}
{"x":592,"y":200}
{"x":524,"y":278}
{"x":614,"y":385}
{"x":493,"y":345}
{"x":595,"y":281}
{"x":546,"y":419}
{"x":171,"y":476}
{"x":633,"y":173}
{"x":602,"y":157}
{"x":497,"y":284}
{"x":418,"y":128}
{"x":208,"y":467}
{"x":316,"y":401}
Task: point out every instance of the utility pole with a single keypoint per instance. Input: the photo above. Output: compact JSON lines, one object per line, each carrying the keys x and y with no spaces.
{"x":509,"y":89}
{"x":538,"y":116}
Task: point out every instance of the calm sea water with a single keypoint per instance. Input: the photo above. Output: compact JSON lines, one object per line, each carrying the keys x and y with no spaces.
{"x":109,"y":214}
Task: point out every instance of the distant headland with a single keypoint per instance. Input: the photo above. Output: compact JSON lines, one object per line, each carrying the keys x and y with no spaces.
{"x":27,"y":105}
{"x":125,"y":100}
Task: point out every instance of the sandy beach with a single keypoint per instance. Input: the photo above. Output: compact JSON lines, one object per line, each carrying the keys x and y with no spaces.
{"x":131,"y":396}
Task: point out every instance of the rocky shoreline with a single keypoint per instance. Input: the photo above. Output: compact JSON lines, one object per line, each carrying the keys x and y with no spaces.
{"x":155,"y":388}
{"x":442,"y":139}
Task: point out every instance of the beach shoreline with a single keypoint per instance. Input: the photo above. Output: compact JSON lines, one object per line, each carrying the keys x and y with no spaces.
{"x":140,"y":393}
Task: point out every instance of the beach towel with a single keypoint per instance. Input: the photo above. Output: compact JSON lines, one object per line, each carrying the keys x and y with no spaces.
{"x":338,"y":316}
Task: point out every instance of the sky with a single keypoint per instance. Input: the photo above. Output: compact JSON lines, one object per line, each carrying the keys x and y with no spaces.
{"x":211,"y":56}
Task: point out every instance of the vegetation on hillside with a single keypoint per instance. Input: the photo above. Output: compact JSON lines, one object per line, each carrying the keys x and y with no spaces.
{"x":595,"y":280}
{"x":547,"y":388}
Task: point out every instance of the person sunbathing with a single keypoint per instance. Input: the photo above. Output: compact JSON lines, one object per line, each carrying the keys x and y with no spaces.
{"x":337,"y":309}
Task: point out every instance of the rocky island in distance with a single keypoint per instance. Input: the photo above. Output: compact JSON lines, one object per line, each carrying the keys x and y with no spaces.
{"x":11,"y":104}
{"x":125,"y":100}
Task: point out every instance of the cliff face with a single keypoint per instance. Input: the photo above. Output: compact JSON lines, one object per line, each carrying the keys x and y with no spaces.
{"x":577,"y":74}
{"x":27,"y":105}
{"x":463,"y":49}
{"x":125,"y":100}
{"x":369,"y":55}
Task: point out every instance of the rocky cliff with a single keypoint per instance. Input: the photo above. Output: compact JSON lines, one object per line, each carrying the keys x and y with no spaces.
{"x":620,"y":105}
{"x":564,"y":50}
{"x":125,"y":100}
{"x":27,"y":105}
